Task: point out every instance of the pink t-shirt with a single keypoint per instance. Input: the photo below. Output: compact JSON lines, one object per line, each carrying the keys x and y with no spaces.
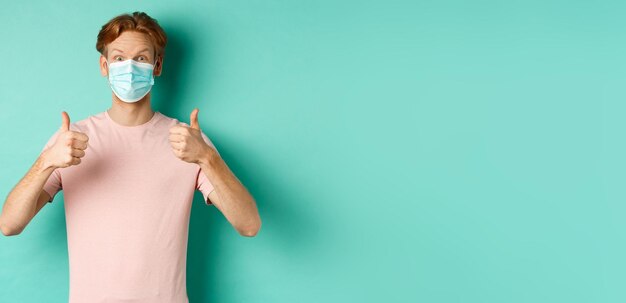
{"x":127,"y":208}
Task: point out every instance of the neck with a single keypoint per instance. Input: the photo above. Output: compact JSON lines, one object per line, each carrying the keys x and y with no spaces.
{"x":131,"y":114}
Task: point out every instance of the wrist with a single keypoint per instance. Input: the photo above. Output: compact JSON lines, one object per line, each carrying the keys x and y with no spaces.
{"x":208,"y":157}
{"x":44,"y":164}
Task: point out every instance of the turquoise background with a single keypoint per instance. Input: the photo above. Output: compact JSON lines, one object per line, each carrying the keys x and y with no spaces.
{"x":399,"y":151}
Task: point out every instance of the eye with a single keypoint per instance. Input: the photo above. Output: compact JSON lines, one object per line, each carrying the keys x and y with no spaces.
{"x":117,"y":58}
{"x":141,"y":58}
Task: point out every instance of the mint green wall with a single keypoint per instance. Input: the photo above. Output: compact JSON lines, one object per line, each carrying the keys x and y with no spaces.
{"x":399,"y":151}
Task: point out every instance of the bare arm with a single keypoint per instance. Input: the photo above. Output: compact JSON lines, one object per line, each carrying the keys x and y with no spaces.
{"x":230,"y":196}
{"x":26,"y":198}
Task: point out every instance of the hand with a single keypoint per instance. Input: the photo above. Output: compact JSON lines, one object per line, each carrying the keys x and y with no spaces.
{"x":69,"y":146}
{"x":187,"y":142}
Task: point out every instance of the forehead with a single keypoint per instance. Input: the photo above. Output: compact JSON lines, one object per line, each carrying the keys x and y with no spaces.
{"x":131,"y":42}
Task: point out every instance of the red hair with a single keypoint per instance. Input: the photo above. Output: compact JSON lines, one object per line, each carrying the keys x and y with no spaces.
{"x":139,"y":22}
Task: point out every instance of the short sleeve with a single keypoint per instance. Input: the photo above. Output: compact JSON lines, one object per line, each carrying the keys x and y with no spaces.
{"x":53,"y":184}
{"x":202,"y":182}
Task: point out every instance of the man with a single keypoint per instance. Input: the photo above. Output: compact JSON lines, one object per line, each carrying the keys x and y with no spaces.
{"x":129,"y":175}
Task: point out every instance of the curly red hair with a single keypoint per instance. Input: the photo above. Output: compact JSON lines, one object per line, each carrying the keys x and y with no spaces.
{"x":138,"y":21}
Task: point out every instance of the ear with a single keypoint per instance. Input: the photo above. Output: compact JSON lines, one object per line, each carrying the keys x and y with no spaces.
{"x":104,"y":71}
{"x":158,"y":66}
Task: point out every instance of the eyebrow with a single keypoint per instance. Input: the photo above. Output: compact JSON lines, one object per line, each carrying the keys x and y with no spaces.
{"x":141,"y":51}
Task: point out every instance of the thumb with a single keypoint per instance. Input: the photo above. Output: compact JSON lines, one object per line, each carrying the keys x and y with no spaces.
{"x":65,"y":126}
{"x":194,"y":119}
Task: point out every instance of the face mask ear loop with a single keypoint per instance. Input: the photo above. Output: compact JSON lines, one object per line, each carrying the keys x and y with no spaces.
{"x":154,"y":65}
{"x":108,"y":72}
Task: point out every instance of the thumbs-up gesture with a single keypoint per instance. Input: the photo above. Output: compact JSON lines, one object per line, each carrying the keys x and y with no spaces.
{"x":69,"y":147}
{"x":187,"y":142}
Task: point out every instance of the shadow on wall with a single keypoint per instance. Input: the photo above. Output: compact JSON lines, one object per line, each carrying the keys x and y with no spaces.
{"x":204,"y":226}
{"x":289,"y":230}
{"x":165,"y":92}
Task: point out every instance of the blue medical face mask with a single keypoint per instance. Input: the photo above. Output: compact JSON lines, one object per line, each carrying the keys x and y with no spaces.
{"x":130,"y":80}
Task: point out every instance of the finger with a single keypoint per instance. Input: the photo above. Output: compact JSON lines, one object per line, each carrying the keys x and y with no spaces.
{"x":176,"y":138}
{"x":194,"y":119}
{"x":177,"y":145}
{"x":78,"y":153}
{"x":65,"y":125}
{"x":75,"y":161}
{"x":177,"y":152}
{"x":79,"y":136}
{"x":78,"y":144}
{"x":178,"y":129}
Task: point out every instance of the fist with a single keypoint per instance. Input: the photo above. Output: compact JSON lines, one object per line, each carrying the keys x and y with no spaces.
{"x":187,"y":142}
{"x":69,"y":147}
